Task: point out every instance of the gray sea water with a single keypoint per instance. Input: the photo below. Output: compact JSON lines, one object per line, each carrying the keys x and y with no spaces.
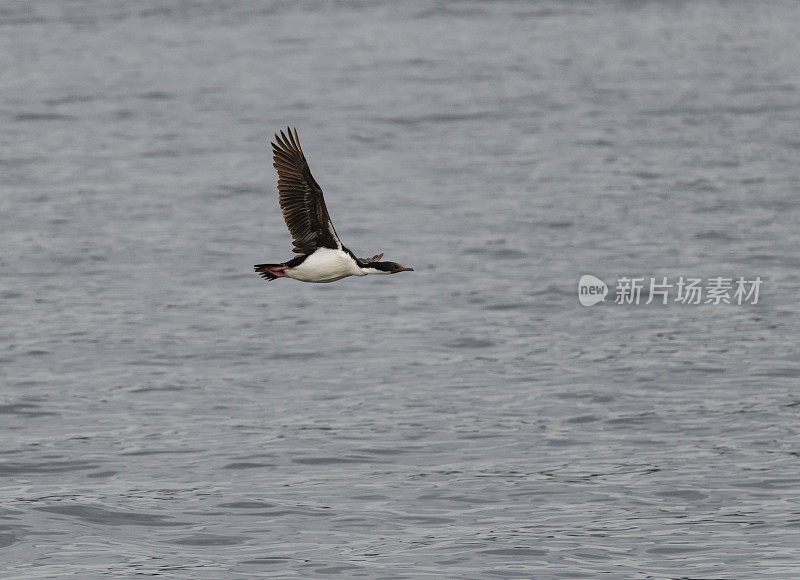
{"x":165,"y":412}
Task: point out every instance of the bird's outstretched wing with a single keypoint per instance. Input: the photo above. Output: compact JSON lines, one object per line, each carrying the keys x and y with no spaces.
{"x":364,"y":261}
{"x":301,"y":198}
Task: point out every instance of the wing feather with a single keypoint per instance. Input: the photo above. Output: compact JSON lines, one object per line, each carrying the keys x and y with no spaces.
{"x":300,"y":197}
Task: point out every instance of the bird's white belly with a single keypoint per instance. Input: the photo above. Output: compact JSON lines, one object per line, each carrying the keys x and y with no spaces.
{"x":325,"y":265}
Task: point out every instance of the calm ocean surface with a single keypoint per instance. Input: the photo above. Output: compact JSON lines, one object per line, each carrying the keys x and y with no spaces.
{"x":165,"y":412}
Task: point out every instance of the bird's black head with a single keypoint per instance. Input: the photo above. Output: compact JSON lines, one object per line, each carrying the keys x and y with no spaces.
{"x":388,"y":267}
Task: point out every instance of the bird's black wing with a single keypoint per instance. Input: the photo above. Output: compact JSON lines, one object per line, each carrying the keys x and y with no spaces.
{"x":301,"y":198}
{"x":366,"y":261}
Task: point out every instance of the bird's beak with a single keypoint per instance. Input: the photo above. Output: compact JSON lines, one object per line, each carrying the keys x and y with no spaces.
{"x":405,"y":269}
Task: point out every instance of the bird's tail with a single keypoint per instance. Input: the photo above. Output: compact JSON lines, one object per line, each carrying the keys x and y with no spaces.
{"x":270,"y":271}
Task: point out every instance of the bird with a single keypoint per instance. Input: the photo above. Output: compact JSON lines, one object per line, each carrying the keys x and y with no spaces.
{"x":323,"y":258}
